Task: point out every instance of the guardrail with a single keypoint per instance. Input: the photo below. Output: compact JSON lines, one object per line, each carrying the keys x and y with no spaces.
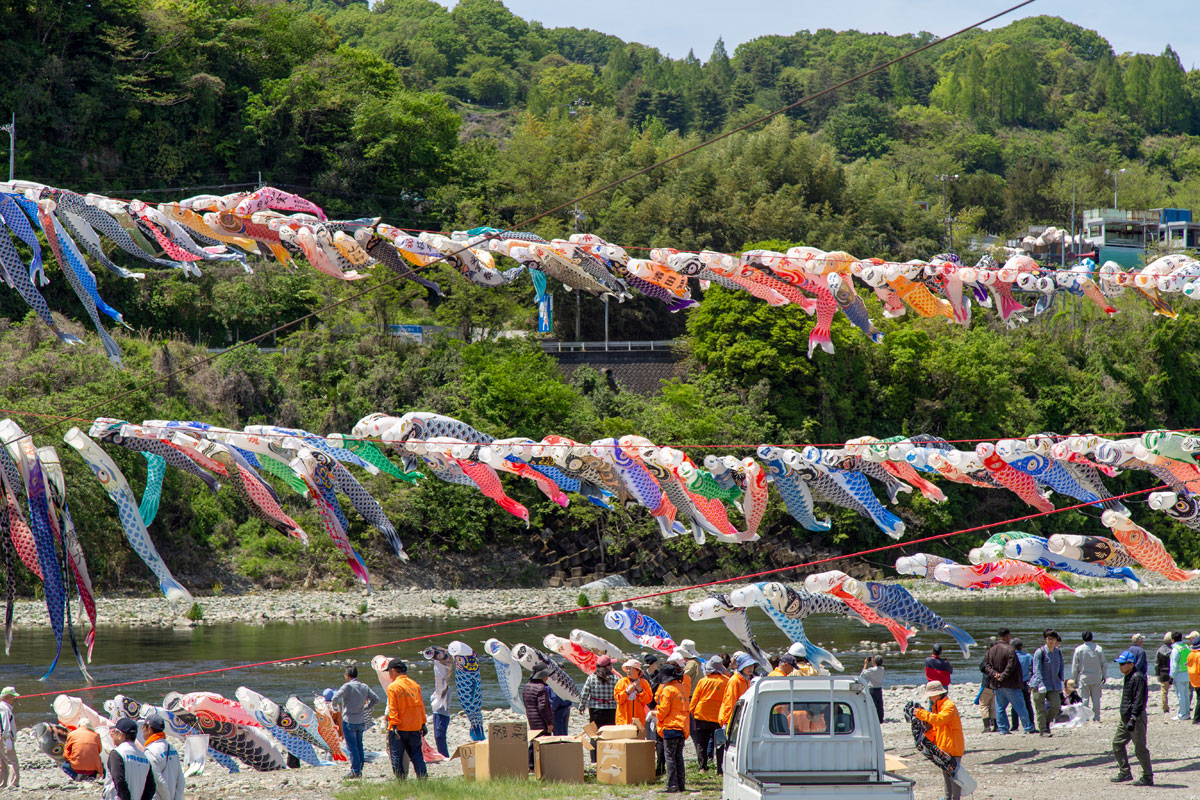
{"x":596,"y":347}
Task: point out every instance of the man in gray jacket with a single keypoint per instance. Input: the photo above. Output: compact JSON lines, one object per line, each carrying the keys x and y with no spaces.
{"x":1090,"y":672}
{"x":1047,"y":681}
{"x":357,"y":699}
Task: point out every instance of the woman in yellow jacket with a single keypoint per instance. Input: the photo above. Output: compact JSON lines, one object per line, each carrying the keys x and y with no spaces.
{"x":737,"y":685}
{"x":632,"y":694}
{"x":706,"y":708}
{"x":671,"y":713}
{"x":945,"y":732}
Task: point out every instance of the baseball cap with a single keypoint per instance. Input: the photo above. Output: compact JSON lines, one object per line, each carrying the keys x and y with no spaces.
{"x":1125,"y":658}
{"x":126,"y":726}
{"x":8,"y":691}
{"x":155,"y":723}
{"x":603,"y":661}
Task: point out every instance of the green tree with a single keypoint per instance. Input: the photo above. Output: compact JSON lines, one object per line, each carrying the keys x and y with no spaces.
{"x":1166,"y":105}
{"x":558,"y":87}
{"x":863,"y":128}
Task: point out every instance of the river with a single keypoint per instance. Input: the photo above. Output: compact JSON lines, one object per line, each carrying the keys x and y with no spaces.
{"x":132,"y":654}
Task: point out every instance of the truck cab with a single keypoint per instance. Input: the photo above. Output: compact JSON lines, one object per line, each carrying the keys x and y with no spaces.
{"x":816,"y":738}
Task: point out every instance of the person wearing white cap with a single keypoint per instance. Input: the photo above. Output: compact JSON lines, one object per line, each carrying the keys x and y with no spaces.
{"x":678,"y":660}
{"x":8,"y":746}
{"x":632,"y":693}
{"x":691,"y":664}
{"x":945,"y":734}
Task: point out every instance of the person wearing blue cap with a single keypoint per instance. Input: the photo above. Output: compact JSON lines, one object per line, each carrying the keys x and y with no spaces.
{"x":1132,"y":726}
{"x":737,"y":685}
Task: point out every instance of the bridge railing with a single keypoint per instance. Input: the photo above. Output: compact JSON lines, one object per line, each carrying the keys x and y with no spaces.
{"x":596,"y":347}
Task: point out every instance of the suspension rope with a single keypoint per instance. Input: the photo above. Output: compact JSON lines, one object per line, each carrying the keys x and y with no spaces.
{"x":550,"y":614}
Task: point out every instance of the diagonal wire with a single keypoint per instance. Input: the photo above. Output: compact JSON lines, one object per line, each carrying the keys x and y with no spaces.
{"x":609,"y":604}
{"x":526,"y":222}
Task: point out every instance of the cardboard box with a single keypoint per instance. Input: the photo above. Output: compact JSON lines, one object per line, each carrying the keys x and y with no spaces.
{"x":558,"y":758}
{"x":620,"y":732}
{"x":625,"y":761}
{"x":504,"y":754}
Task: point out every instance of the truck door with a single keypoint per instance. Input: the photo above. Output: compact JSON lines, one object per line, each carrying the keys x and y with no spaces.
{"x":734,"y":786}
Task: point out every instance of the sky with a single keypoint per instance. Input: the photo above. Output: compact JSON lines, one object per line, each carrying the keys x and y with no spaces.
{"x":675,"y":26}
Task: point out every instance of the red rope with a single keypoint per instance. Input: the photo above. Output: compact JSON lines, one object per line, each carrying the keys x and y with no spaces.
{"x":549,"y":614}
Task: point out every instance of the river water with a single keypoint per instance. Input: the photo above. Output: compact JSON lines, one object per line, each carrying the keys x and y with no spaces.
{"x":132,"y":654}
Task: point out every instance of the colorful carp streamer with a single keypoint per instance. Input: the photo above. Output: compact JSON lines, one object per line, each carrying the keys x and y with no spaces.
{"x":280,"y":226}
{"x":630,"y":470}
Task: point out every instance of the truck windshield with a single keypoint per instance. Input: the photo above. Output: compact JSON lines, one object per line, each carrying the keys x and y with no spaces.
{"x":787,"y":719}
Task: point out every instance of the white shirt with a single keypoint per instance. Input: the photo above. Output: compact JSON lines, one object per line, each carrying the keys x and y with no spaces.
{"x":7,"y":730}
{"x":1087,"y":664}
{"x":168,"y":770}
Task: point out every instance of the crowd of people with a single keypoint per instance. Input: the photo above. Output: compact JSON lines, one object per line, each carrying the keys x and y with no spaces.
{"x":686,"y":696}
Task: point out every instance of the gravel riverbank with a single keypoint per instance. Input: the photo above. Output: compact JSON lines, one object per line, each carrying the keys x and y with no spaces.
{"x":1072,"y":763}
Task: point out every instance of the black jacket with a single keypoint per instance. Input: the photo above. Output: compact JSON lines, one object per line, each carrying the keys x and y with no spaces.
{"x":1133,"y":696}
{"x":537,"y":706}
{"x":1003,"y":667}
{"x":1162,"y":663}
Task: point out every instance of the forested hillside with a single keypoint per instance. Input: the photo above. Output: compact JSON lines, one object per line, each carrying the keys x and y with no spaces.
{"x":450,"y":119}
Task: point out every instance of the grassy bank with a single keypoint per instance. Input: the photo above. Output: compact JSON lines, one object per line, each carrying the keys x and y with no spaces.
{"x":706,"y":783}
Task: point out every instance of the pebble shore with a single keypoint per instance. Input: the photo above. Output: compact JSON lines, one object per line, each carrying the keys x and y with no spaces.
{"x":1072,"y":763}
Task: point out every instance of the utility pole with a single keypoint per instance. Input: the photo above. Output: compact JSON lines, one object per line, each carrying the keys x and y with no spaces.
{"x":11,"y":128}
{"x":1114,"y":174}
{"x":946,"y":212}
{"x":578,"y":216}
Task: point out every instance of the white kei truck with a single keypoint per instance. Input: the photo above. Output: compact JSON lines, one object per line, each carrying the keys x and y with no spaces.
{"x":808,"y":738}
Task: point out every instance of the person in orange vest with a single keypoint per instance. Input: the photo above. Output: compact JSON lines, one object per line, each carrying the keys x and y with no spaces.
{"x":671,"y":715}
{"x":406,"y":721}
{"x":678,"y":660}
{"x":785,"y":667}
{"x":632,"y":693}
{"x":945,"y":732}
{"x":706,"y":708}
{"x":737,"y":685}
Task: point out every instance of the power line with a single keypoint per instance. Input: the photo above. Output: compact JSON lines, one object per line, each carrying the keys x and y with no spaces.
{"x":523,"y":224}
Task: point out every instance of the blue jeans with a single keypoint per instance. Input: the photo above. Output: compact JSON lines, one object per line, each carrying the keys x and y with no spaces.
{"x":1183,"y":692}
{"x":401,"y":742}
{"x":1016,"y":697}
{"x":77,"y":776}
{"x":441,"y":722}
{"x":562,"y":716}
{"x":353,"y":731}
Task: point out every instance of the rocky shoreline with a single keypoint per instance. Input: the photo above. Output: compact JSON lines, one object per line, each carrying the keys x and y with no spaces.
{"x":1073,"y":763}
{"x":292,"y":606}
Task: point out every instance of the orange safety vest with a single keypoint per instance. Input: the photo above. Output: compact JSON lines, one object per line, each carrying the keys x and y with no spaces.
{"x":672,"y":709}
{"x":629,"y":710}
